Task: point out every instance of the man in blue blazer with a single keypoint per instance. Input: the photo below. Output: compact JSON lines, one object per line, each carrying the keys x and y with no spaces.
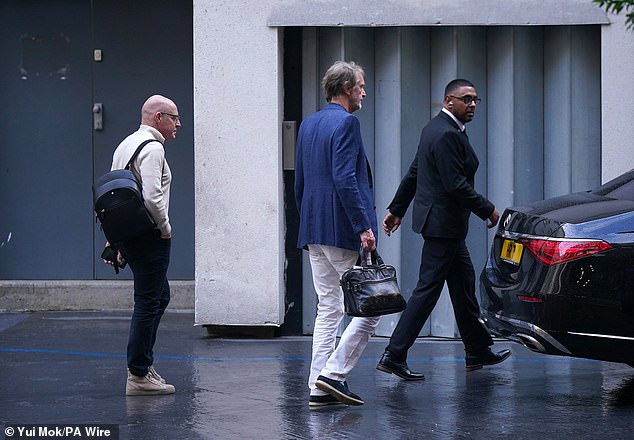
{"x":440,"y":180}
{"x":333,"y":190}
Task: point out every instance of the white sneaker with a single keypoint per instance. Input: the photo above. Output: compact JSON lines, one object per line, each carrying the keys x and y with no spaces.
{"x":152,"y":372}
{"x":146,"y":386}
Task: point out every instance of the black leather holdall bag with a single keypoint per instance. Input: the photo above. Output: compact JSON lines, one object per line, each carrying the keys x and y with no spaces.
{"x":371,"y":288}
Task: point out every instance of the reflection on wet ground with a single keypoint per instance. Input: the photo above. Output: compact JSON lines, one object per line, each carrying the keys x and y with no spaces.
{"x":69,"y":367}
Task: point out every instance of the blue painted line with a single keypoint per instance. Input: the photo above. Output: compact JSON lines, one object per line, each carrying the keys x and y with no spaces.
{"x":72,"y":353}
{"x":119,"y":355}
{"x":553,"y":359}
{"x":550,"y":359}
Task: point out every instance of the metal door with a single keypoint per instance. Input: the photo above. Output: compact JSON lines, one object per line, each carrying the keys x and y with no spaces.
{"x":46,"y":152}
{"x":146,"y":48}
{"x":50,"y":154}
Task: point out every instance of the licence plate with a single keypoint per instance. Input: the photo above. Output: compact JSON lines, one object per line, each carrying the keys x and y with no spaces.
{"x":512,"y":251}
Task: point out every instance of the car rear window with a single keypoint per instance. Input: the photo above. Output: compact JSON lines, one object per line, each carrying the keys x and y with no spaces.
{"x":621,"y":188}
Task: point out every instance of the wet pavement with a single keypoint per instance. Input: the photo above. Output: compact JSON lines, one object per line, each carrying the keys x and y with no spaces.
{"x":69,"y":368}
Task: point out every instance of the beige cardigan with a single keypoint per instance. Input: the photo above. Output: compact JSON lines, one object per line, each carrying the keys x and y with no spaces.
{"x":152,"y":170}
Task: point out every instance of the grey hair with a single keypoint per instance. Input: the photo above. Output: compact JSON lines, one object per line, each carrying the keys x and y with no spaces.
{"x":339,"y":76}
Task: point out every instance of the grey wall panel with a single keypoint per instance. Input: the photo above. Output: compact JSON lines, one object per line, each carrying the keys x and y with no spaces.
{"x":415,"y":113}
{"x":557,"y":111}
{"x":415,"y":88}
{"x":528,"y":114}
{"x":330,"y":49}
{"x":310,"y":71}
{"x":387,"y":136}
{"x":515,"y":116}
{"x":358,"y":46}
{"x":444,"y":55}
{"x":500,"y":118}
{"x":585,"y":106}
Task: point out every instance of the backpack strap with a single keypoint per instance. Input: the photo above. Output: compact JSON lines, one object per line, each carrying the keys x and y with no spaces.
{"x":138,"y":150}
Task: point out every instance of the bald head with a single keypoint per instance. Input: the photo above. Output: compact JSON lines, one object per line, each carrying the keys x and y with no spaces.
{"x":156,"y":104}
{"x":161,"y":113}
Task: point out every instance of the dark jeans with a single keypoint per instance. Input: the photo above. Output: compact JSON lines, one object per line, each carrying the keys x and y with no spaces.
{"x":148,"y":257}
{"x":442,"y":260}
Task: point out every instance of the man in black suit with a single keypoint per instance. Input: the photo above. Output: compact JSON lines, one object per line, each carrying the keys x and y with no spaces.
{"x":440,"y":180}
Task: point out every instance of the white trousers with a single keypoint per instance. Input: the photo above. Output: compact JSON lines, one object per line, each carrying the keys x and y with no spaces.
{"x":328,"y":264}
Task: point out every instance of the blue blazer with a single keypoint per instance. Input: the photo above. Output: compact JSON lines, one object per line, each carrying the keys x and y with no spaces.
{"x":333,"y":181}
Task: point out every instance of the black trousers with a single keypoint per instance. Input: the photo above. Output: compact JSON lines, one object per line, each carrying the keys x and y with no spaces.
{"x":148,"y":257}
{"x":442,"y":260}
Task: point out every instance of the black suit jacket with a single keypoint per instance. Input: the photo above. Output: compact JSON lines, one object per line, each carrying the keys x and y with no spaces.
{"x":440,"y":180}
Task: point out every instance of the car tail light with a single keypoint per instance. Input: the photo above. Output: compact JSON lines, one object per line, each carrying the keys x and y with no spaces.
{"x":531,"y":299}
{"x":559,"y":251}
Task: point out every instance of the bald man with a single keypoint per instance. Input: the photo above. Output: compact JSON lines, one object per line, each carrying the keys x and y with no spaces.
{"x":148,"y":255}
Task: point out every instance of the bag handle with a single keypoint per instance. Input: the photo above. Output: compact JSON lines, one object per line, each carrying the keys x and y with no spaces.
{"x":375,"y":259}
{"x":115,"y":263}
{"x":138,"y":150}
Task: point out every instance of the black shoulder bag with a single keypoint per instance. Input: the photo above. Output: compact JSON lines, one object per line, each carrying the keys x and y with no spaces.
{"x":118,"y":200}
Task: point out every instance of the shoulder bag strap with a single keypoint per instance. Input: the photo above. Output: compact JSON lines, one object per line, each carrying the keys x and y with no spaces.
{"x":138,"y":150}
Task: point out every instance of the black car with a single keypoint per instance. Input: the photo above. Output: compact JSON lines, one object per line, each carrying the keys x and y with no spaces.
{"x":560,"y":276}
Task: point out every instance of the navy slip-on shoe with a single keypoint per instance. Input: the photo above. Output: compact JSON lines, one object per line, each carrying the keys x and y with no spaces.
{"x":339,"y":390}
{"x":321,"y":401}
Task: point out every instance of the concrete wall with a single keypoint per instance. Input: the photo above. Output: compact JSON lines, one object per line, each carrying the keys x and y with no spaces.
{"x":239,"y":218}
{"x":30,"y":295}
{"x":617,"y":76}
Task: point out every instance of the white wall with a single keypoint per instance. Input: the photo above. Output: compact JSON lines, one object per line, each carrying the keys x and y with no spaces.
{"x":617,"y":71}
{"x":238,"y":179}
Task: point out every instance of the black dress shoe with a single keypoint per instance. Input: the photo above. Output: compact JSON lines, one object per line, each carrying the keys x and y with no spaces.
{"x":476,"y":361}
{"x":389,"y":365}
{"x":339,"y":390}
